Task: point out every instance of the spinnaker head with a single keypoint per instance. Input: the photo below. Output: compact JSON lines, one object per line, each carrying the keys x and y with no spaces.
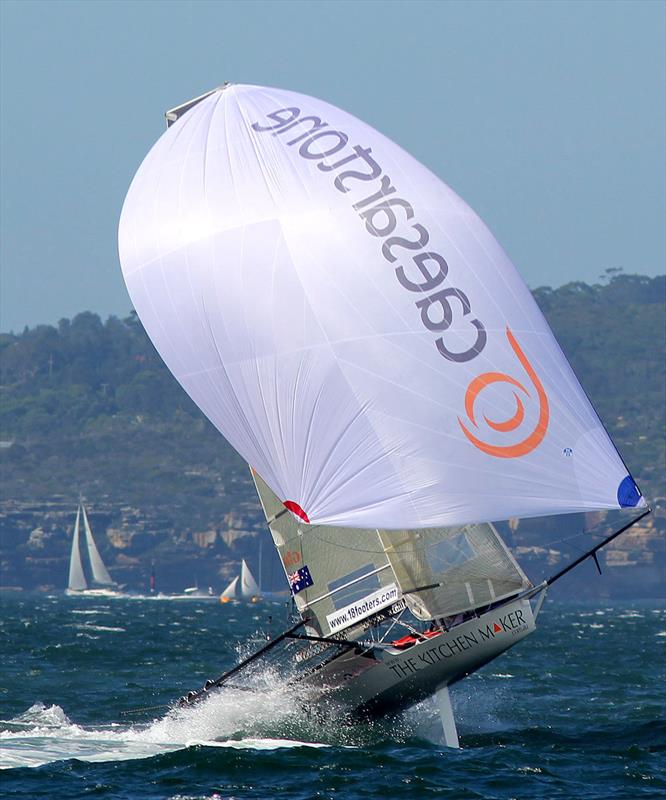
{"x":351,"y":326}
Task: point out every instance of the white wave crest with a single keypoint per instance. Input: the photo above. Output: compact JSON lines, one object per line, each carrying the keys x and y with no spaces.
{"x":240,"y":719}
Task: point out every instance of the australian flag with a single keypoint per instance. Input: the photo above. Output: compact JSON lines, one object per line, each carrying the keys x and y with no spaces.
{"x":300,"y":580}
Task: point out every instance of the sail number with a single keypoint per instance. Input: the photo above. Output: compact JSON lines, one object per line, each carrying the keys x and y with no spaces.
{"x":291,"y":558}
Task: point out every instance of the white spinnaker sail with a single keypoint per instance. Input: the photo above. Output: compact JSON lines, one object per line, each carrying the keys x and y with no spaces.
{"x":77,"y":580}
{"x":230,"y":591}
{"x":351,"y":326}
{"x":100,"y":573}
{"x":249,"y":587}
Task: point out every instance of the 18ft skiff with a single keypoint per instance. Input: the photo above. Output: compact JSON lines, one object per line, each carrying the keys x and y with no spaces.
{"x":354,"y":330}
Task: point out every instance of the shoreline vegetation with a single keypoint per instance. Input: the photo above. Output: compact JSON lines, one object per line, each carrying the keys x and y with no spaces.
{"x":87,"y":408}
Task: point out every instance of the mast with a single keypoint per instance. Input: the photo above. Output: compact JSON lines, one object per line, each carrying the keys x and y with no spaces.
{"x":100,"y":573}
{"x":77,"y":580}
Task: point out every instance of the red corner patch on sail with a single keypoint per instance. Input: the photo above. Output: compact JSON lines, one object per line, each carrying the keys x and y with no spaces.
{"x":496,"y":627}
{"x":296,"y":509}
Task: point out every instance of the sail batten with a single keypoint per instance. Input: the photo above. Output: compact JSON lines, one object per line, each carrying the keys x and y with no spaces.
{"x":349,"y":583}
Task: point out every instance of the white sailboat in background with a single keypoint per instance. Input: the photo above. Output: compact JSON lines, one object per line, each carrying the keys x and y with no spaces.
{"x":357,"y":334}
{"x":242,"y":587}
{"x":229,"y":593}
{"x":101,"y":584}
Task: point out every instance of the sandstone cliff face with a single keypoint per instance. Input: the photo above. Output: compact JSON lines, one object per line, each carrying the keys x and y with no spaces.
{"x":35,"y":543}
{"x":633,"y":565}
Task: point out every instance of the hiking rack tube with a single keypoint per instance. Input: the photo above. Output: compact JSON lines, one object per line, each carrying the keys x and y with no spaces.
{"x":354,"y":645}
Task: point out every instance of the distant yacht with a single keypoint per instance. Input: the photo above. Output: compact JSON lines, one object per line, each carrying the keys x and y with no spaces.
{"x":190,"y":593}
{"x":249,"y":588}
{"x":101,"y":584}
{"x":195,"y":593}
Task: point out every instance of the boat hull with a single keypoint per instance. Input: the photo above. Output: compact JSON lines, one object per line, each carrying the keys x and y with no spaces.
{"x":384,"y":681}
{"x":93,"y":593}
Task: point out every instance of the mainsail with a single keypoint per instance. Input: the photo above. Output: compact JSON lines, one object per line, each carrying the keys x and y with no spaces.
{"x":249,"y":587}
{"x":464,"y":568}
{"x":100,"y":573}
{"x":243,"y":585}
{"x":77,"y":580}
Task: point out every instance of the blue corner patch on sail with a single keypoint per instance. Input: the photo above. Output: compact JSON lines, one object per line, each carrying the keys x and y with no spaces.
{"x":628,"y":494}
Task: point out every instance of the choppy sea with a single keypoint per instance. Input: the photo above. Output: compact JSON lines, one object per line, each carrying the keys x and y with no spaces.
{"x":577,"y":710}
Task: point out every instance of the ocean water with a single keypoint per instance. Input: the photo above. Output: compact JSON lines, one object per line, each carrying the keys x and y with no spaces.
{"x":577,"y":710}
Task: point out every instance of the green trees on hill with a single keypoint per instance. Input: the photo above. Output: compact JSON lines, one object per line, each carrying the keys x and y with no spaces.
{"x":88,"y":405}
{"x":81,"y":370}
{"x":614,"y":335}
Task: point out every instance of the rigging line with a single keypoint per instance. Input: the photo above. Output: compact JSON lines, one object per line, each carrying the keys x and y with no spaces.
{"x":234,"y":686}
{"x":593,"y":551}
{"x":394,"y":622}
{"x":584,"y":532}
{"x":409,"y":627}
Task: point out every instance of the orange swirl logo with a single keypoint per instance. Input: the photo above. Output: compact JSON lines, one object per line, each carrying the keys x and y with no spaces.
{"x":479,"y":384}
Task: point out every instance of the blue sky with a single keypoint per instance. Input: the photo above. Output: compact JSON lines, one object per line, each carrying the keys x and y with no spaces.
{"x":548,"y":118}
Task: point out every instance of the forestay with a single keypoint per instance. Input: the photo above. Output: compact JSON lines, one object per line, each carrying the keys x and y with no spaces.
{"x":351,"y":326}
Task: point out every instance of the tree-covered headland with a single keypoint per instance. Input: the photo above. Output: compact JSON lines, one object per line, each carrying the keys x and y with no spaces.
{"x":88,"y":408}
